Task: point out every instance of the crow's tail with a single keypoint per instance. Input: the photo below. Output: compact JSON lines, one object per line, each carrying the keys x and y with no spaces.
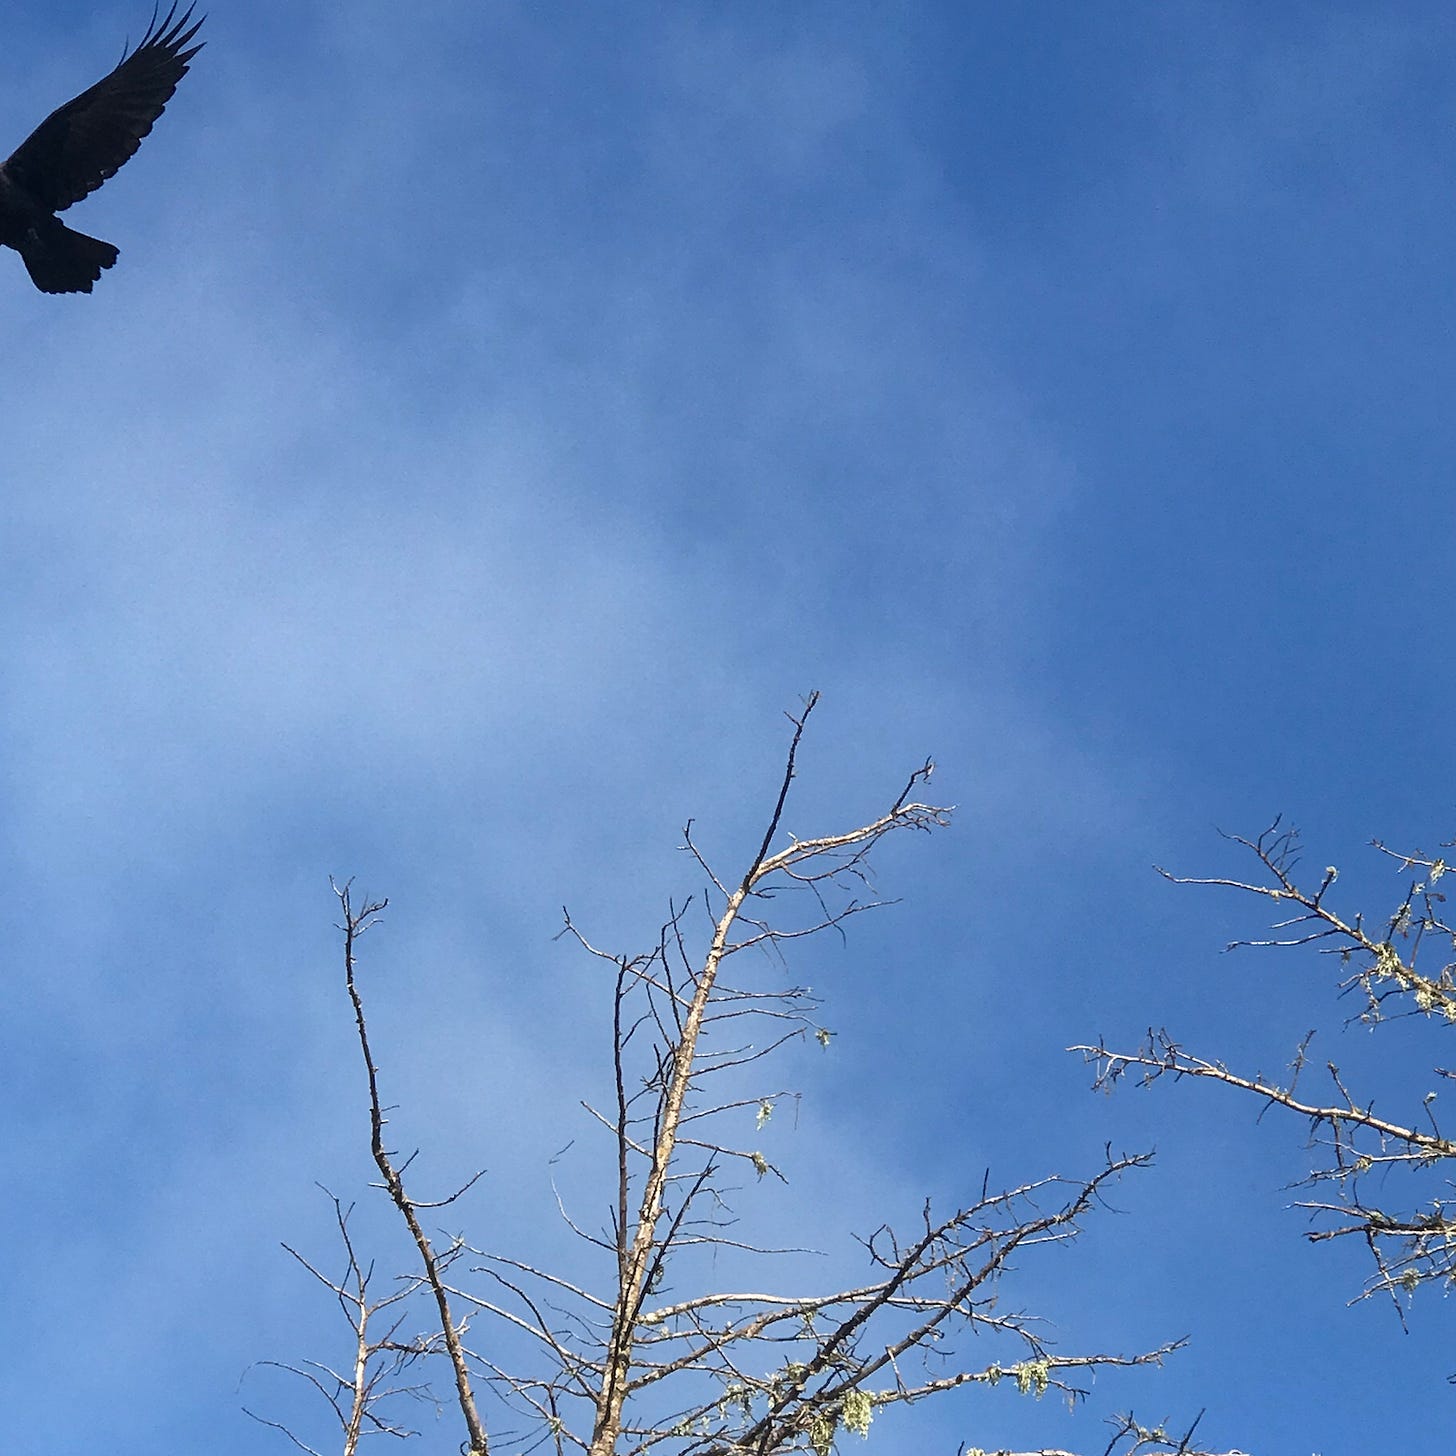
{"x":61,"y":260}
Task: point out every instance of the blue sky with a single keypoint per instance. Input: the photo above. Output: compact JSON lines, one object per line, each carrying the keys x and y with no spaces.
{"x":499,"y":414}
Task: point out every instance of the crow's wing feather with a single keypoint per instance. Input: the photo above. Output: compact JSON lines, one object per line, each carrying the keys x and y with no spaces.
{"x":79,"y":145}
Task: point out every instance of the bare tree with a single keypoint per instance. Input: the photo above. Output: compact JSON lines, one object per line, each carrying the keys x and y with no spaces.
{"x":653,"y":1354}
{"x":1409,"y":1225}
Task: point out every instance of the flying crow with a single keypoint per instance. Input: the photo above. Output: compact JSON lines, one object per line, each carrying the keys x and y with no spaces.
{"x":77,"y":147}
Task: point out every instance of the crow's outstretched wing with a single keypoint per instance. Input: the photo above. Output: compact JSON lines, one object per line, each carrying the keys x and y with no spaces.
{"x":79,"y":145}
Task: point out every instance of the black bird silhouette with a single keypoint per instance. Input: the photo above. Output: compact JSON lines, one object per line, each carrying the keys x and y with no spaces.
{"x":77,"y":147}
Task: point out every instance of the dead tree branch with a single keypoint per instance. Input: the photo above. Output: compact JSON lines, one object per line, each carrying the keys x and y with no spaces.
{"x":360,"y":1397}
{"x":356,"y":922}
{"x":1410,"y":1245}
